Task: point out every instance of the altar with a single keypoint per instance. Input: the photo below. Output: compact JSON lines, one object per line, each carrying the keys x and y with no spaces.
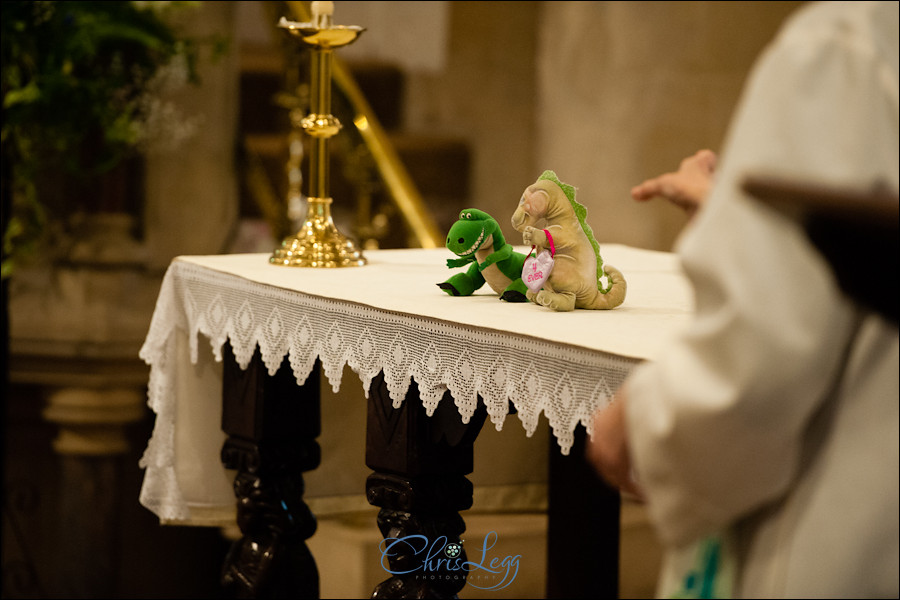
{"x":448,"y":364}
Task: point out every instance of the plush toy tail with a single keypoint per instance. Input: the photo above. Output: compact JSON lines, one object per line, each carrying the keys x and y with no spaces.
{"x":616,"y":294}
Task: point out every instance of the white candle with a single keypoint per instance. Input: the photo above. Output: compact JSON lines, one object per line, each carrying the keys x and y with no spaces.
{"x":322,"y":12}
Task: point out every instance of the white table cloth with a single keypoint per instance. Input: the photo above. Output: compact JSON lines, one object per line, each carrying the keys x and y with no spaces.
{"x":386,"y":316}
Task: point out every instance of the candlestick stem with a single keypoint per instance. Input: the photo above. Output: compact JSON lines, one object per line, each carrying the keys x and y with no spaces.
{"x":319,"y":243}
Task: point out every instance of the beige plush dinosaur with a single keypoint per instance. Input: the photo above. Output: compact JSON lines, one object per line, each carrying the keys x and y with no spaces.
{"x":548,"y":206}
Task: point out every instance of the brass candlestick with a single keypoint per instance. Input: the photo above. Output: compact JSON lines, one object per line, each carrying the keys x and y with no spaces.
{"x":319,"y":243}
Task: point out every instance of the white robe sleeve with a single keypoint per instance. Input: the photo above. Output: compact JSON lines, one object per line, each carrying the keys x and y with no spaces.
{"x":716,"y":424}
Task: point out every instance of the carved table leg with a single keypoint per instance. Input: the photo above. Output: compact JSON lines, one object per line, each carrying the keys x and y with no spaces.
{"x":420,"y":464}
{"x":583,"y":523}
{"x":271,"y":424}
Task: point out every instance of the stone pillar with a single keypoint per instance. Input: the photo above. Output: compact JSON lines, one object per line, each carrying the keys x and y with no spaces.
{"x":91,"y":438}
{"x":92,"y":421}
{"x":192,"y":187}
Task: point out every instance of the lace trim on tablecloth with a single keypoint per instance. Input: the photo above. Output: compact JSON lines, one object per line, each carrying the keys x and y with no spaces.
{"x":565,"y":383}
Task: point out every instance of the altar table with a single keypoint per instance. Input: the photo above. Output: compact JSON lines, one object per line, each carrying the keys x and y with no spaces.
{"x":445,"y":363}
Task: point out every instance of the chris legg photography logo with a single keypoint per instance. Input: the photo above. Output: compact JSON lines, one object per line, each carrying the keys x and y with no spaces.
{"x":441,"y":559}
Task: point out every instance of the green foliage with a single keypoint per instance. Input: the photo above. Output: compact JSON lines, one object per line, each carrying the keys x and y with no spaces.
{"x":75,"y":80}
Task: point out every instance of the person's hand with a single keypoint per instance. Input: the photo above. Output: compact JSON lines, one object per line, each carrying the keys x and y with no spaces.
{"x":608,"y":449}
{"x":687,"y":187}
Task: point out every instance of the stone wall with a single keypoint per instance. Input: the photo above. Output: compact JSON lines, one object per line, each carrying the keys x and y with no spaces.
{"x":628,"y":89}
{"x":604,"y":93}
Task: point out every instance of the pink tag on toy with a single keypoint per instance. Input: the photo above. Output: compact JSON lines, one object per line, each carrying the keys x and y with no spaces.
{"x":536,"y":270}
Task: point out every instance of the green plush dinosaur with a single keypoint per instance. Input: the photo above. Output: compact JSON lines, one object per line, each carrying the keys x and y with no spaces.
{"x":476,"y":238}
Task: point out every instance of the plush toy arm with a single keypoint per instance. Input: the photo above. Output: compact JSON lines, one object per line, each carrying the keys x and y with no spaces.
{"x":562,"y":238}
{"x":532,"y":236}
{"x":496,"y":257}
{"x":452,"y":263}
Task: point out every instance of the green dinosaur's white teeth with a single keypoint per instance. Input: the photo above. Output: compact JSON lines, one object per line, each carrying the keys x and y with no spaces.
{"x":476,"y":245}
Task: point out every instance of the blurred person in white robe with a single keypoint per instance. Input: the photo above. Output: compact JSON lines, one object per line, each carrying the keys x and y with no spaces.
{"x":771,"y":426}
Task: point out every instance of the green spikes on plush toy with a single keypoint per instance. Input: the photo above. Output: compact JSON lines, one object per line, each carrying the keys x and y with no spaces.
{"x":554,"y":223}
{"x":478,"y":242}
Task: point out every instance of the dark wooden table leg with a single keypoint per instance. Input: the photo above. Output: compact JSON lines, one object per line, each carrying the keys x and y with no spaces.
{"x":582,"y":527}
{"x":420,"y":464}
{"x":272,"y":425}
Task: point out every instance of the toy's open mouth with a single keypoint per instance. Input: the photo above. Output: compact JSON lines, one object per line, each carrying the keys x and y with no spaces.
{"x":476,"y":245}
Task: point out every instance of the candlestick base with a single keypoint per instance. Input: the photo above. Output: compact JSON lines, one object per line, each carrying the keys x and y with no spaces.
{"x":318,"y":244}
